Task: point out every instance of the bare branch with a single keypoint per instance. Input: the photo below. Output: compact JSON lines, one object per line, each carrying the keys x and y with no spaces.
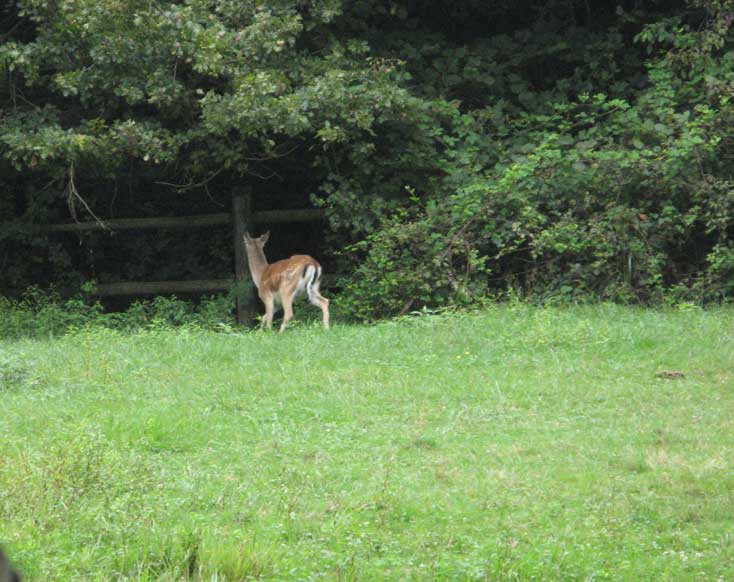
{"x":209,"y":195}
{"x":73,"y":196}
{"x":193,"y":185}
{"x":275,"y":156}
{"x":407,"y":306}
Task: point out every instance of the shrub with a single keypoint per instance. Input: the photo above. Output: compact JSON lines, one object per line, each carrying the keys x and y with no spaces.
{"x":44,"y":313}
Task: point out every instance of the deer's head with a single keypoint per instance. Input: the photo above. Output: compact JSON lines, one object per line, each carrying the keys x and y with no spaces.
{"x":256,"y":243}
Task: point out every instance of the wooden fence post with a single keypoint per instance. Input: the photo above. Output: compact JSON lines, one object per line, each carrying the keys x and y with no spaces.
{"x":242,"y":221}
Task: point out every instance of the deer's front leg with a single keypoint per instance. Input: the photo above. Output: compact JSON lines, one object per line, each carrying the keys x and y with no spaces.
{"x":269,"y":302}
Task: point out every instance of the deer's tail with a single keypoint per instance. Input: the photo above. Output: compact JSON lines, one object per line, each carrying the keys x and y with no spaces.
{"x":312,"y":276}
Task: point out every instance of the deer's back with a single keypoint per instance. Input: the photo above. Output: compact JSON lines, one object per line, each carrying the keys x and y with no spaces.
{"x":291,"y":269}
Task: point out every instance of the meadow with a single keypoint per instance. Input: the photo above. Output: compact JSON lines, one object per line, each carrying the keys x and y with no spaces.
{"x":519,"y":443}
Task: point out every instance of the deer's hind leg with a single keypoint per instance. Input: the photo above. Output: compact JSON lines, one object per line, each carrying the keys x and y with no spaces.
{"x":287,"y":297}
{"x":315,"y":298}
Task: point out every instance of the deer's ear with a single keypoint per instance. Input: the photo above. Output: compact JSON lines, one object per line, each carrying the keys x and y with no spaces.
{"x":247,"y":237}
{"x":264,"y":238}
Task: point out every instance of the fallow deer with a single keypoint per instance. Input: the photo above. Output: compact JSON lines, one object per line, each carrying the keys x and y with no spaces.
{"x":283,"y":281}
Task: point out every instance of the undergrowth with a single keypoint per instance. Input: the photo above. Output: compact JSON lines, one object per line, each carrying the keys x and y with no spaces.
{"x":41,"y":313}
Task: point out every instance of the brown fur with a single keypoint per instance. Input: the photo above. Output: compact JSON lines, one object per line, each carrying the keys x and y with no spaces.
{"x":281,"y":272}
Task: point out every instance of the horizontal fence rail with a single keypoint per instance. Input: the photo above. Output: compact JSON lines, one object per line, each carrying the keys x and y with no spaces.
{"x":155,"y":287}
{"x":240,"y":219}
{"x":221,"y":218}
{"x":193,"y":286}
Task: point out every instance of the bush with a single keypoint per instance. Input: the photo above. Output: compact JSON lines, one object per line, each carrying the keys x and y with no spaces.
{"x":44,"y":313}
{"x":597,"y":198}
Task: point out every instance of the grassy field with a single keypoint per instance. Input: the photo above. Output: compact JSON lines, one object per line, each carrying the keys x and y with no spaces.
{"x":516,"y":444}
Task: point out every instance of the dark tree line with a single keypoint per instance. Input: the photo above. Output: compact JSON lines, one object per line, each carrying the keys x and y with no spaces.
{"x":561,"y":148}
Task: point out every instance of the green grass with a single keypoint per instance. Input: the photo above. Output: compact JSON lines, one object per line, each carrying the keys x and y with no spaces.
{"x":516,"y":444}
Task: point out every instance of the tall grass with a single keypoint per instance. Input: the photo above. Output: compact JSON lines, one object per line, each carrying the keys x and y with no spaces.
{"x":516,"y":444}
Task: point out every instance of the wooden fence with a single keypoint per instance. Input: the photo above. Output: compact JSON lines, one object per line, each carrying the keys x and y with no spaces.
{"x":241,"y":219}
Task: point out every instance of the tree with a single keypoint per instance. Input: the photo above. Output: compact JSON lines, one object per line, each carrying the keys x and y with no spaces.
{"x":564,"y":147}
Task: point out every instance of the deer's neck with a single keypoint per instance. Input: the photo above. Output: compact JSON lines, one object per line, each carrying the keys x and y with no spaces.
{"x":258,"y":263}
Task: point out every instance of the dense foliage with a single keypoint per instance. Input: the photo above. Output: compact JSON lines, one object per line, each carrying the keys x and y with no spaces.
{"x":559,"y":147}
